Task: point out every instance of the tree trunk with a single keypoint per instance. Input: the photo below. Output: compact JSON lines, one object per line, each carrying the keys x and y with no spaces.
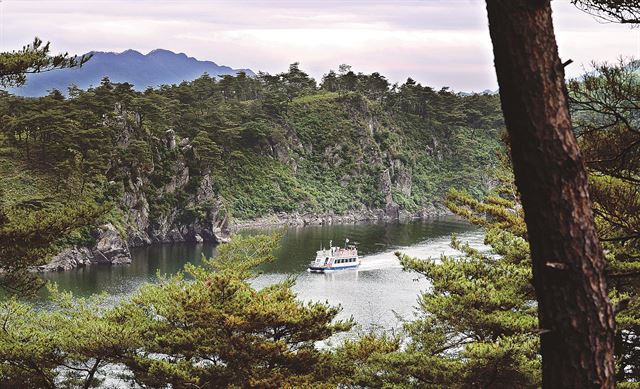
{"x":619,"y":352}
{"x":26,"y":146}
{"x":576,"y":318}
{"x":88,"y":383}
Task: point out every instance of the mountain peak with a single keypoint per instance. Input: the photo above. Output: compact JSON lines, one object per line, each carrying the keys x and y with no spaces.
{"x":158,"y":67}
{"x":164,"y":52}
{"x":130,"y":52}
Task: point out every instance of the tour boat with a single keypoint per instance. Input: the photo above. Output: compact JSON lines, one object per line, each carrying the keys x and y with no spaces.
{"x":335,"y":258}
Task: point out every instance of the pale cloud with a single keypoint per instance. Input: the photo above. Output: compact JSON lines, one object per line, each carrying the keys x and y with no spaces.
{"x":440,"y":43}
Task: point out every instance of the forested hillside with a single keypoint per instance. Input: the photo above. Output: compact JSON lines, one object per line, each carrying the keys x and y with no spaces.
{"x":180,"y":162}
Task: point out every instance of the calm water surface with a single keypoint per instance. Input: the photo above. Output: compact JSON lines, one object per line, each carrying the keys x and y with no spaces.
{"x":375,"y":294}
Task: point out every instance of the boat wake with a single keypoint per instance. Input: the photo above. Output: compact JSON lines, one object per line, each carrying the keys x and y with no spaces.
{"x":431,"y":248}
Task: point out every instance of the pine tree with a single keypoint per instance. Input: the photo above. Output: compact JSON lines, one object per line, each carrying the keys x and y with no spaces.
{"x":213,"y":329}
{"x":33,"y":58}
{"x":605,"y":110}
{"x":29,"y":239}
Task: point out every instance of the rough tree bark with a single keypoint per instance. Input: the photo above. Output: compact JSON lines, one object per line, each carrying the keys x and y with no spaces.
{"x":576,"y":318}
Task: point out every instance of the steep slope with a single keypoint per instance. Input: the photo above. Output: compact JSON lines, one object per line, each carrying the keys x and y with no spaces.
{"x":333,"y":156}
{"x":156,"y":68}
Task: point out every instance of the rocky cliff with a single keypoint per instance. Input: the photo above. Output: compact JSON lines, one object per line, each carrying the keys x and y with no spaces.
{"x":333,"y":157}
{"x":137,"y":226}
{"x":211,"y":225}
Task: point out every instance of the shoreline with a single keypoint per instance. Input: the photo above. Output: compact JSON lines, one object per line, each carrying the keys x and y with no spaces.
{"x":353,"y":217}
{"x":113,"y":249}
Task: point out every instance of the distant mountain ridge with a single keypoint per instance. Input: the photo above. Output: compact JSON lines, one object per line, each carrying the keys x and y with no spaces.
{"x":157,"y":67}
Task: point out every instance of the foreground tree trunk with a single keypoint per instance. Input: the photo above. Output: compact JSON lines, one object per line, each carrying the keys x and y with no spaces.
{"x":576,"y":318}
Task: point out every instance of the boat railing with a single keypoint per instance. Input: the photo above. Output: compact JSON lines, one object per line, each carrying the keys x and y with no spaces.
{"x":345,"y":253}
{"x":338,"y":252}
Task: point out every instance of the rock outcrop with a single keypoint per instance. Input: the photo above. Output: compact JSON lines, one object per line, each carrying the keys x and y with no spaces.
{"x":109,"y":248}
{"x":198,"y":218}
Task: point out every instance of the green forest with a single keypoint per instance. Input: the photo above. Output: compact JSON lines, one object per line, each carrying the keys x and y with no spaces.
{"x":292,"y":145}
{"x":178,"y":162}
{"x":186,"y":162}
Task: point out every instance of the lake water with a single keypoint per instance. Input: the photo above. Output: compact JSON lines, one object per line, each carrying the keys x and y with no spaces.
{"x":375,"y":295}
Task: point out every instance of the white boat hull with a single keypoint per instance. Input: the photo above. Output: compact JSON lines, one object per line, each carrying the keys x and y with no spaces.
{"x":322,"y":269}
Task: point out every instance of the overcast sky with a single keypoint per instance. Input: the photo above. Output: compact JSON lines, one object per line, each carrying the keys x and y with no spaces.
{"x":439,"y":43}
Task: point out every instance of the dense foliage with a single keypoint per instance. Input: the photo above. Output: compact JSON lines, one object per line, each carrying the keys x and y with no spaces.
{"x":45,"y":230}
{"x":606,"y":115}
{"x":271,"y":143}
{"x":30,"y":218}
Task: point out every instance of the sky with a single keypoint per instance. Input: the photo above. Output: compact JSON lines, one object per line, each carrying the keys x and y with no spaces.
{"x":436,"y":42}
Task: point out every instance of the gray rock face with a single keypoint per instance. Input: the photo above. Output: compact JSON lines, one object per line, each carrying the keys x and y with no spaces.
{"x":402,"y":177}
{"x":180,"y":179}
{"x":110,"y":248}
{"x":198,"y":218}
{"x":384,"y":185}
{"x":170,"y":226}
{"x":134,"y":200}
{"x":171,"y":139}
{"x":183,"y":143}
{"x":209,"y":226}
{"x":68,"y":259}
